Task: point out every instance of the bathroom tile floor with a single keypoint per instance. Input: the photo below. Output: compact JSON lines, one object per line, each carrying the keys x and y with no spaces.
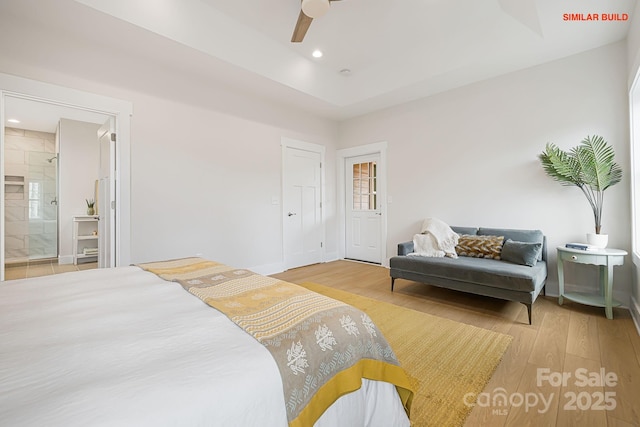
{"x":42,"y":268}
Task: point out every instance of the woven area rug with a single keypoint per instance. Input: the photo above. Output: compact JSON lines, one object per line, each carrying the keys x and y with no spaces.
{"x":446,"y":359}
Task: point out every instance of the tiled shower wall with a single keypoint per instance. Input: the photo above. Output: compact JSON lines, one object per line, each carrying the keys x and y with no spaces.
{"x":31,"y":229}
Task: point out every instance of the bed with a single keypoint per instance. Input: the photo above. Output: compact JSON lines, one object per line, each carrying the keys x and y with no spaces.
{"x":124,"y":346}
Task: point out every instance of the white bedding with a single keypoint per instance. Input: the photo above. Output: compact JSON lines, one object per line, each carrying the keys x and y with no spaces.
{"x":114,"y":347}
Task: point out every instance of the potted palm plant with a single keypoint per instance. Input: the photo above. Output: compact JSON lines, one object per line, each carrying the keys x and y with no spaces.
{"x":589,"y":166}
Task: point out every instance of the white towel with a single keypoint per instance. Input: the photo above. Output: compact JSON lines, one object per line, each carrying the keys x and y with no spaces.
{"x":437,"y":239}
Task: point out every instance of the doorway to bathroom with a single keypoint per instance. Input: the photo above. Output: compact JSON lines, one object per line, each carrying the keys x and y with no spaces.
{"x":115,"y":194}
{"x":51,"y":166}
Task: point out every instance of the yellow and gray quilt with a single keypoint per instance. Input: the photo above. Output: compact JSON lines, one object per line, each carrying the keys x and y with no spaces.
{"x":322,"y":346}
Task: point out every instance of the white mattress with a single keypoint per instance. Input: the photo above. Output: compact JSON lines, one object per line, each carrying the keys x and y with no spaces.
{"x":122,"y":347}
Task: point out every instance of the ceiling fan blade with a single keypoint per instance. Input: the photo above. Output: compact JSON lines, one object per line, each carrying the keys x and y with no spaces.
{"x":301,"y":27}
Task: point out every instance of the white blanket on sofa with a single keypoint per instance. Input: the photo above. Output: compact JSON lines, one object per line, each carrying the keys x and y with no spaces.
{"x":437,"y":239}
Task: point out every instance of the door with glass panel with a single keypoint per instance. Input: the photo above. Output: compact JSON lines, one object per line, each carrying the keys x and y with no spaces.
{"x":363,"y":210}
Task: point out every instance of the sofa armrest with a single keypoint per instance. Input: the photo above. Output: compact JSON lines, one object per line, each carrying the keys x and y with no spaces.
{"x":405,"y":248}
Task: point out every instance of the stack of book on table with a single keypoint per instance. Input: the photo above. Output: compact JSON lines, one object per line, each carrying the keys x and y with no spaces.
{"x":582,"y":246}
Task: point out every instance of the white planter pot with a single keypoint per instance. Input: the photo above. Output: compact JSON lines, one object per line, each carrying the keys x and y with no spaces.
{"x":598,"y":240}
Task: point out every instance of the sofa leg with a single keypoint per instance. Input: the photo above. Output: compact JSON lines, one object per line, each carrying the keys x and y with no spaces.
{"x":529,"y":308}
{"x":393,"y":279}
{"x":544,"y":289}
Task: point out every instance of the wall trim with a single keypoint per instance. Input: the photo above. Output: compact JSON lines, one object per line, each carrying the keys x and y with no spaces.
{"x":267,"y":269}
{"x":279,"y":267}
{"x":635,"y":313}
{"x":65,"y":259}
{"x":331,"y":256}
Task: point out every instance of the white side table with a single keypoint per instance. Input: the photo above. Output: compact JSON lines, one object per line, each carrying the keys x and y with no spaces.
{"x":85,"y":235}
{"x":605,"y":259}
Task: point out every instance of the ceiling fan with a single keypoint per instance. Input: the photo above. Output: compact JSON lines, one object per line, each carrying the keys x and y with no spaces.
{"x":309,"y":10}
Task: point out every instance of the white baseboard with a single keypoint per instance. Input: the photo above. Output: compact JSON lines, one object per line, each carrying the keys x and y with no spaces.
{"x":279,"y":267}
{"x":267,"y":269}
{"x":635,"y":313}
{"x":65,"y":259}
{"x":331,"y":256}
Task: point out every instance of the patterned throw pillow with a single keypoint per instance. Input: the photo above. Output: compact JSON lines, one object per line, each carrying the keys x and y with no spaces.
{"x":480,"y":246}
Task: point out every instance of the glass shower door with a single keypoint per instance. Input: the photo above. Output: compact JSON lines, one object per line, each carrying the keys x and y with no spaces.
{"x":43,"y":205}
{"x":31,"y":186}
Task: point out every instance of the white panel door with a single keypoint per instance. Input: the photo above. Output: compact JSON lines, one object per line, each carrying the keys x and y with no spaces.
{"x":363,"y":211}
{"x":106,"y":196}
{"x":302,"y":208}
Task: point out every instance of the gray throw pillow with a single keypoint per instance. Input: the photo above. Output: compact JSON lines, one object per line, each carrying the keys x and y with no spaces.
{"x":521,"y":252}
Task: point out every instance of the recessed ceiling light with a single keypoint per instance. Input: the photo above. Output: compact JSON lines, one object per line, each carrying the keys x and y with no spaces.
{"x":317,"y":53}
{"x":13,"y":121}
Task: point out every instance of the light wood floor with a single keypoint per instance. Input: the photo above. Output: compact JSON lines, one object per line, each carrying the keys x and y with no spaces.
{"x":570,"y":339}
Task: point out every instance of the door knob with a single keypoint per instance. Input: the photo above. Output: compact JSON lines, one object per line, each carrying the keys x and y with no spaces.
{"x":291,"y":214}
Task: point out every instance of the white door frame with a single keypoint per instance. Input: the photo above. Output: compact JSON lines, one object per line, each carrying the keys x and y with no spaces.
{"x":287,"y":143}
{"x":106,"y":195}
{"x":58,"y":95}
{"x":634,"y":139}
{"x":375,"y":148}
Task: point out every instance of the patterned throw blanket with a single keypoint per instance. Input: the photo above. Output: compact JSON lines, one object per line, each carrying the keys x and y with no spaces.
{"x":323,"y":347}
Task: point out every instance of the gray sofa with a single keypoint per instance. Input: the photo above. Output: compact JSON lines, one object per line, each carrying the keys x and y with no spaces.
{"x":501,"y":279}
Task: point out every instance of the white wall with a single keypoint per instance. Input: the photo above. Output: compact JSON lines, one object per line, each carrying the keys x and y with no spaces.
{"x":469,"y":156}
{"x":205,"y":158}
{"x":78,"y":162}
{"x":203,"y":182}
